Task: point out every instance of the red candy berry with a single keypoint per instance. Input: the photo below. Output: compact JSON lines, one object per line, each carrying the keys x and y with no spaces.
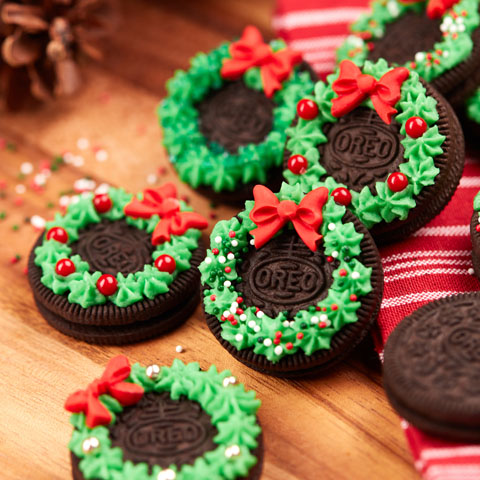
{"x":415,"y":127}
{"x":289,"y":345}
{"x":397,"y":182}
{"x":307,"y":109}
{"x":297,"y":164}
{"x":102,"y":202}
{"x":342,"y":196}
{"x":107,"y":284}
{"x":65,"y":267}
{"x":166,"y":263}
{"x":57,"y":233}
{"x":477,"y":228}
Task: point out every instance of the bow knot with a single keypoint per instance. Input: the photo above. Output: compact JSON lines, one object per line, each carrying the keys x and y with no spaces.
{"x":251,"y":51}
{"x":111,"y":383}
{"x":162,"y":201}
{"x":353,"y":87}
{"x":435,"y":8}
{"x":271,"y":214}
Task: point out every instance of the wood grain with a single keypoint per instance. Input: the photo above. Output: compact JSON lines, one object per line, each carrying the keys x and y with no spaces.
{"x":334,"y":427}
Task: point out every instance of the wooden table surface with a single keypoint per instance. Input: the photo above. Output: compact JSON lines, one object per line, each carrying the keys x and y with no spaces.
{"x":339,"y":426}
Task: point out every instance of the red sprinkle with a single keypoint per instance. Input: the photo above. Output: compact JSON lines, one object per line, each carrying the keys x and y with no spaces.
{"x":65,"y":267}
{"x":107,"y":284}
{"x":276,"y":341}
{"x":415,"y":127}
{"x":317,"y":309}
{"x":234,"y":322}
{"x":329,"y":259}
{"x":342,"y":196}
{"x":289,"y":345}
{"x":215,"y":251}
{"x":102,"y":202}
{"x":57,"y":233}
{"x":334,"y":306}
{"x":231,"y":318}
{"x":239,"y":300}
{"x":307,"y":109}
{"x":299,"y":335}
{"x":231,"y":234}
{"x":342,"y":272}
{"x":239,"y":311}
{"x":278,"y":334}
{"x":353,"y":297}
{"x":397,"y":182}
{"x":322,"y":324}
{"x":213,"y":298}
{"x":228,"y":269}
{"x":166,"y":263}
{"x":297,"y":164}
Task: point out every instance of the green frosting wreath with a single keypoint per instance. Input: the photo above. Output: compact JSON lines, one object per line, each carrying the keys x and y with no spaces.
{"x":419,"y":165}
{"x":232,"y":409}
{"x":309,"y":330}
{"x":458,"y":24}
{"x":199,"y":162}
{"x":81,"y":285}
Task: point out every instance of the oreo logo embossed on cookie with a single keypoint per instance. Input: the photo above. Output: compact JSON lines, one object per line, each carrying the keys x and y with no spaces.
{"x":116,"y":267}
{"x":165,"y":422}
{"x":432,"y":365}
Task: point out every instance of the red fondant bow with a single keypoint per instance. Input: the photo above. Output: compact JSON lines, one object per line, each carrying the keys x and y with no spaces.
{"x":111,"y":383}
{"x":250,"y":51}
{"x":271,"y":214}
{"x":435,"y":8}
{"x":163,"y":202}
{"x":353,"y":87}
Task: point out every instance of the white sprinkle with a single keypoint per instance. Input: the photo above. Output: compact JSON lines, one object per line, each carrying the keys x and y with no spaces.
{"x":233,"y":309}
{"x":20,"y":189}
{"x":355,"y":275}
{"x":355,"y":41}
{"x":419,"y":57}
{"x":234,"y":304}
{"x":83,"y":143}
{"x":314,"y":320}
{"x":232,"y":451}
{"x":328,"y":322}
{"x":179,"y":349}
{"x":323,"y":317}
{"x":26,"y":168}
{"x":218,"y":239}
{"x":208,"y":260}
{"x":68,"y":157}
{"x":471,"y":271}
{"x":286,"y":323}
{"x":102,"y":188}
{"x":37,"y":221}
{"x":260,"y":314}
{"x":83,"y":185}
{"x":151,"y":178}
{"x":335,"y":254}
{"x":393,"y":9}
{"x":257,"y":329}
{"x":167,"y":474}
{"x":461,"y":28}
{"x":443,"y":27}
{"x":226,"y":313}
{"x":234,"y":243}
{"x":453,"y":28}
{"x":78,"y":161}
{"x":227,"y":283}
{"x":238,"y":337}
{"x":331,"y":226}
{"x":448,"y":20}
{"x":267,"y":342}
{"x":74,"y":199}
{"x":64,"y":200}
{"x":252,"y":241}
{"x":101,"y":155}
{"x":292,"y":323}
{"x":222,"y":259}
{"x":40,"y":179}
{"x":230,"y":256}
{"x":278,"y":350}
{"x":243,"y":317}
{"x":446,"y":53}
{"x":459,"y":20}
{"x":252,"y":324}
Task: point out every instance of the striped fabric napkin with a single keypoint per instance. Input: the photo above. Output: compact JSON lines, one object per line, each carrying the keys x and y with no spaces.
{"x":434,"y":262}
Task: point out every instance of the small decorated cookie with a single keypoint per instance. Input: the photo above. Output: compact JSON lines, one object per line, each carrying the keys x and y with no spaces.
{"x":293,"y":283}
{"x":438,"y":39}
{"x":224,"y":119}
{"x":475,"y":235}
{"x":118,"y":268}
{"x":383,"y":142}
{"x":164,"y":423}
{"x":432,"y":368}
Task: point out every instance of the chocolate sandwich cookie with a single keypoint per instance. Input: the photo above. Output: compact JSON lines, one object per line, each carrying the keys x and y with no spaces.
{"x":438,"y":39}
{"x":224,"y":119}
{"x":164,"y":423}
{"x":385,"y":144}
{"x":475,"y":234}
{"x":432,"y":365}
{"x":293,"y":283}
{"x":117,"y":268}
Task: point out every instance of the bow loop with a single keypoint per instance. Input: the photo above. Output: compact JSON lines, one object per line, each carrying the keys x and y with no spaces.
{"x":251,"y":51}
{"x":112,"y":383}
{"x":435,"y":8}
{"x":353,"y":87}
{"x":163,"y":202}
{"x":270,"y":215}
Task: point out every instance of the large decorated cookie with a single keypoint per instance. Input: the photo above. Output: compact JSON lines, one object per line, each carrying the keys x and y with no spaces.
{"x":438,"y":39}
{"x":118,"y":268}
{"x":224,"y":119}
{"x":293,"y":283}
{"x":432,"y":365}
{"x":164,"y":423}
{"x":383,"y":142}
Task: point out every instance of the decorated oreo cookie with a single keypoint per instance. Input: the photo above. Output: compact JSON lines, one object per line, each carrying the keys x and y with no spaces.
{"x":164,"y":423}
{"x":385,"y":144}
{"x":293,"y":283}
{"x":117,"y":268}
{"x":432,"y":365}
{"x":438,"y":39}
{"x":224,"y":119}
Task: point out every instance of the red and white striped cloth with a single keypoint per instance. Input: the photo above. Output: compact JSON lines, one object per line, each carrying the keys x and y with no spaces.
{"x":434,"y":262}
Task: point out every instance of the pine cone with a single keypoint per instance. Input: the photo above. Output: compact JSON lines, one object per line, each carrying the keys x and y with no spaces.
{"x":41,"y":41}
